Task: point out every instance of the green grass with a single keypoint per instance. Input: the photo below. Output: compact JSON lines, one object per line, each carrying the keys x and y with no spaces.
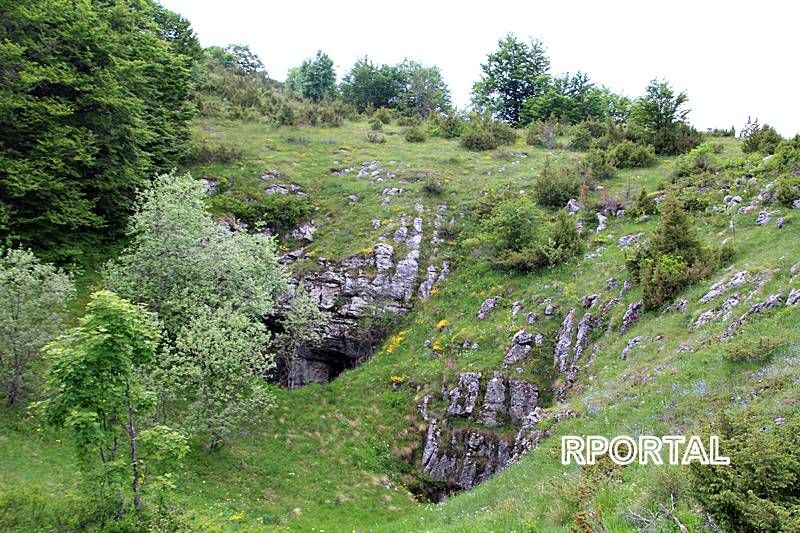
{"x":334,"y":457}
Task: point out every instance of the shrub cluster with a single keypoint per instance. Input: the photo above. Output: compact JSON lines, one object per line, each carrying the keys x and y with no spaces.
{"x":554,"y":187}
{"x":763,"y":139}
{"x":673,"y":258}
{"x":277,"y":211}
{"x":482,"y":132}
{"x":414,"y":135}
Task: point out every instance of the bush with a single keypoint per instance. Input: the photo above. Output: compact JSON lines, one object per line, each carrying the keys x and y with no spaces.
{"x":409,"y":121}
{"x":277,"y":211}
{"x":524,"y":242}
{"x":702,"y":159}
{"x":753,"y":350}
{"x":375,"y":137}
{"x":375,"y":125}
{"x":555,"y":187}
{"x":383,"y":115}
{"x":433,"y":185}
{"x":206,"y":153}
{"x":447,"y":125}
{"x":628,"y":154}
{"x":763,"y":139}
{"x":581,"y":138}
{"x":662,"y":278}
{"x":645,"y":205}
{"x":599,"y":164}
{"x":787,"y":190}
{"x":757,"y":491}
{"x":482,"y":132}
{"x":414,"y":135}
{"x":542,"y":134}
{"x":487,"y":202}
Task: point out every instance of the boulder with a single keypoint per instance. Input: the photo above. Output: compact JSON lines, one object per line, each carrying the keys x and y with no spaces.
{"x":487,"y":307}
{"x":631,"y":315}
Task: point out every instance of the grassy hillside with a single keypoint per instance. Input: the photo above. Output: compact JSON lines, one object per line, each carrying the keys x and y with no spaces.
{"x":344,"y":456}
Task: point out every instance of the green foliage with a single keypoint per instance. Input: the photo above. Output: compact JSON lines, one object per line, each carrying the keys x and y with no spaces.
{"x":302,"y":325}
{"x":758,"y":490}
{"x":700,"y":159}
{"x":375,"y":137}
{"x":515,"y":72}
{"x":570,"y":98}
{"x":368,"y":86}
{"x":84,"y":123}
{"x":524,"y":241}
{"x":628,"y":154}
{"x":787,"y":190}
{"x":314,"y":79}
{"x":661,"y":116}
{"x":662,"y":278}
{"x":433,"y":185}
{"x":179,"y":260}
{"x":543,"y":133}
{"x":279,"y":212}
{"x":423,"y":92}
{"x":581,"y":138}
{"x":33,"y":299}
{"x":555,"y":186}
{"x":600,"y":164}
{"x":753,"y":349}
{"x":376,"y":125}
{"x":763,"y":139}
{"x":447,"y":125}
{"x":414,"y":135}
{"x":95,"y":393}
{"x":645,"y":205}
{"x":215,"y":365}
{"x":482,"y":132}
{"x":675,"y":233}
{"x":207,"y":153}
{"x":383,"y":115}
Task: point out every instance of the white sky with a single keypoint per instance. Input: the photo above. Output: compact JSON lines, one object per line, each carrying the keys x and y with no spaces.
{"x":734,"y":58}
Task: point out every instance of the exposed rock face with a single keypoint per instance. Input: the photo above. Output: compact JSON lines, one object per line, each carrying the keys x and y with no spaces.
{"x":521,"y":344}
{"x":631,"y":316}
{"x":349,"y":292}
{"x":573,"y":206}
{"x":563,"y":343}
{"x":463,"y":397}
{"x":281,"y":188}
{"x":601,"y":222}
{"x":487,"y":307}
{"x":465,"y":457}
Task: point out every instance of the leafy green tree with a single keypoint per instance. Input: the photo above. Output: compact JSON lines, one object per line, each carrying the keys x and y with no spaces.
{"x":217,"y":364}
{"x":84,"y":123}
{"x":95,"y":392}
{"x":514,"y":73}
{"x":570,"y":98}
{"x":245,"y":59}
{"x":661,"y":117}
{"x":179,"y":260}
{"x":368,"y":86}
{"x":33,"y":298}
{"x":424,"y":90}
{"x":314,"y":78}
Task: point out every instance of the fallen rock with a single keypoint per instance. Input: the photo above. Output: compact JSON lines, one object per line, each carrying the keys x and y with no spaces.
{"x":516,"y":307}
{"x":601,"y":222}
{"x":520,"y":346}
{"x":631,"y":344}
{"x":627,"y":240}
{"x":573,"y":206}
{"x":631,"y":315}
{"x":304,"y":232}
{"x":487,"y":307}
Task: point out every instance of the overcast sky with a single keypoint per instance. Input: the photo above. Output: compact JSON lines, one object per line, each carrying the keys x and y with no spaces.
{"x":734,"y":58}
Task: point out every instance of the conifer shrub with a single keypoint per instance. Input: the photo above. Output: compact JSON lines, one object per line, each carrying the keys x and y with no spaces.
{"x":757,"y":491}
{"x":763,"y":139}
{"x":447,"y":125}
{"x":628,"y":154}
{"x":581,"y":138}
{"x":383,"y":115}
{"x":674,"y":257}
{"x":375,"y":137}
{"x":599,"y":164}
{"x":482,"y":132}
{"x":555,"y":186}
{"x":787,"y":190}
{"x":645,"y":205}
{"x":375,"y":125}
{"x":414,"y":135}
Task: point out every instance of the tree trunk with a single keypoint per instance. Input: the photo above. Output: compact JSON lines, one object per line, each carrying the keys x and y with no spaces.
{"x":16,"y":382}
